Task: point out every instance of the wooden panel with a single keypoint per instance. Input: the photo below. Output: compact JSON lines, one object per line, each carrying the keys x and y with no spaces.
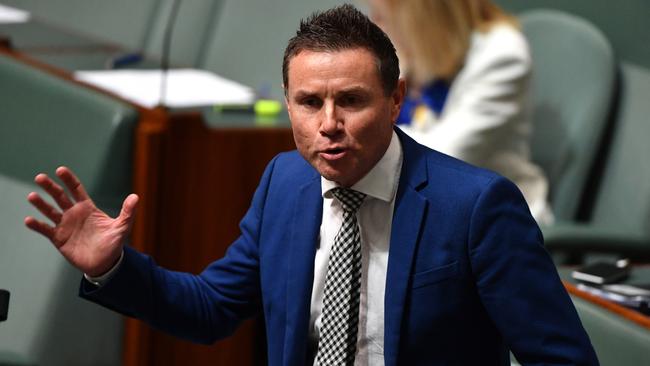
{"x":206,"y":180}
{"x":150,"y":138}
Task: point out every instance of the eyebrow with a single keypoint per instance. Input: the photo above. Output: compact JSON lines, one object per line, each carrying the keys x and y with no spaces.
{"x":303,"y":93}
{"x":349,"y":90}
{"x":354,"y":89}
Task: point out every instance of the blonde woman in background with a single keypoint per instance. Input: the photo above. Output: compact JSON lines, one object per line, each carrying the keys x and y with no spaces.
{"x":468,"y":68}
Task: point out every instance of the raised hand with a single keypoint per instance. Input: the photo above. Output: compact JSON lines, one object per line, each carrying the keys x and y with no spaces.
{"x":87,"y":237}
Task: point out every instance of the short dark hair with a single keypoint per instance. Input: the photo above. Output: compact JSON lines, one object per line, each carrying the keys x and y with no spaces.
{"x":341,"y":28}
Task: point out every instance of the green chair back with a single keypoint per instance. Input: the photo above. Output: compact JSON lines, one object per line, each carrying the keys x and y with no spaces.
{"x":622,"y":203}
{"x":573,"y":85}
{"x":45,"y":122}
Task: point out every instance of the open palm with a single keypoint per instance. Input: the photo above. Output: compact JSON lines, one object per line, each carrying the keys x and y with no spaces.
{"x":88,"y":238}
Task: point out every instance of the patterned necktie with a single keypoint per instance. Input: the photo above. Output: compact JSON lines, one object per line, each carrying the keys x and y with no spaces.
{"x":340,"y":318}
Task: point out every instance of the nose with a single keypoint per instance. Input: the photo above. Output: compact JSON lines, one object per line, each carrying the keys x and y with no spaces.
{"x":331,"y":124}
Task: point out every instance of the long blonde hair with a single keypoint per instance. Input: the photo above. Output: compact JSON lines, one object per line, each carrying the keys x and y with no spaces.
{"x":436,"y":34}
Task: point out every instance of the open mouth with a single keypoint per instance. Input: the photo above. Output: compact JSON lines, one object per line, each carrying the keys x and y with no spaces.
{"x":334,"y":151}
{"x":333,"y":154}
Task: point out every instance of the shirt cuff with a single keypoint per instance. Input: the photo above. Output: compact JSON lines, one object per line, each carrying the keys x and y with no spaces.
{"x":100,"y":281}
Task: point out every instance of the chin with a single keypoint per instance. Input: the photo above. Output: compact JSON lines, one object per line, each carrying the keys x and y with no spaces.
{"x":327,"y":171}
{"x":335,"y":177}
{"x":328,"y":174}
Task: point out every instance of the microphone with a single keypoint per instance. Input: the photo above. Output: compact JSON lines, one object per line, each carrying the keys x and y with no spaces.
{"x":4,"y":304}
{"x":164,"y":60}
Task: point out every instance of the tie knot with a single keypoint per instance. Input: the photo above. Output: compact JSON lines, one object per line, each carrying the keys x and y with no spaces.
{"x":349,"y":198}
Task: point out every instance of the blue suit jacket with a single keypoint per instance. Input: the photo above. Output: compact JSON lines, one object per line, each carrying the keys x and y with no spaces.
{"x":468,"y":277}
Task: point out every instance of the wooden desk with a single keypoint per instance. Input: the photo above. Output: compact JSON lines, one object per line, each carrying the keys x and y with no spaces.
{"x":639,"y":275}
{"x":195,"y":172}
{"x":198,"y":182}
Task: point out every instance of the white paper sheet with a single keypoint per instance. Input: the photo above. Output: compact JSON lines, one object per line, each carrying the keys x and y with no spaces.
{"x":12,"y":15}
{"x":185,"y":87}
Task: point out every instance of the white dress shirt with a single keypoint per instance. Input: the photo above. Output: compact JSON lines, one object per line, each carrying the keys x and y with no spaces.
{"x":375,"y":221}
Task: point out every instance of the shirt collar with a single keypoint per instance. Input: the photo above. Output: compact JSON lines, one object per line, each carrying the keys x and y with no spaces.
{"x":382,"y":180}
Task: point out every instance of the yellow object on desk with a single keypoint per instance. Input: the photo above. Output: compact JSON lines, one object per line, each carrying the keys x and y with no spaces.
{"x":267,"y":107}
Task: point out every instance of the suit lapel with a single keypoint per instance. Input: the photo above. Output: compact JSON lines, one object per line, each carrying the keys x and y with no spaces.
{"x":307,"y":218}
{"x":410,"y":208}
{"x":408,"y":216}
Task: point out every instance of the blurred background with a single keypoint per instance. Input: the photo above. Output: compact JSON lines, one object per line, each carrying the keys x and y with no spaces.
{"x":591,"y":122}
{"x":230,"y":37}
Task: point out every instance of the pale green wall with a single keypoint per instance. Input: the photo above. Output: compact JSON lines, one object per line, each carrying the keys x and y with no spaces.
{"x":244,"y":39}
{"x":137,"y":25}
{"x":240,"y":39}
{"x":249,"y":40}
{"x":122,"y":21}
{"x":626,"y":23}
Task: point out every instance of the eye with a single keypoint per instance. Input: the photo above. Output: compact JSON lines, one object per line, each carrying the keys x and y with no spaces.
{"x":350,"y":100}
{"x":311,"y":102}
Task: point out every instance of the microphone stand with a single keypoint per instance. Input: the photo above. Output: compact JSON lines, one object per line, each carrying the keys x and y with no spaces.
{"x":167,"y":40}
{"x":4,"y":304}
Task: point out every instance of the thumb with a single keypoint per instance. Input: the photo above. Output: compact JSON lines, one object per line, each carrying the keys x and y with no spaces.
{"x":128,"y":208}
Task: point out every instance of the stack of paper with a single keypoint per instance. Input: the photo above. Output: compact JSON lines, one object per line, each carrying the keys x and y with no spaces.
{"x":12,"y":15}
{"x":183,"y":87}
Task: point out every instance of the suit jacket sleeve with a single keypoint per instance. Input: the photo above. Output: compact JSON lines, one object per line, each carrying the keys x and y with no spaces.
{"x":518,"y":284}
{"x":201,"y":308}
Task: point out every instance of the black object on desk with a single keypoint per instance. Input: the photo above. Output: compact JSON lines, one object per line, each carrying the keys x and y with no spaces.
{"x":603,"y":279}
{"x":5,"y":42}
{"x":636,"y":297}
{"x":601,"y":273}
{"x":4,"y":304}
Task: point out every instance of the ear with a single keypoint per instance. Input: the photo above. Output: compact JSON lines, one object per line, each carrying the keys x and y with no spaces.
{"x":398,"y":98}
{"x":286,"y":99}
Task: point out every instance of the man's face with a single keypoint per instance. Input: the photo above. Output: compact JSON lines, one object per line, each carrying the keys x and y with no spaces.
{"x":342,"y":120}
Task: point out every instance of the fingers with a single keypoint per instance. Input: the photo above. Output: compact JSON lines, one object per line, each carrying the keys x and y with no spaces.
{"x":128,"y":208}
{"x":45,"y":208}
{"x":72,"y":182}
{"x":57,"y":192}
{"x":40,"y":227}
{"x":54,"y":190}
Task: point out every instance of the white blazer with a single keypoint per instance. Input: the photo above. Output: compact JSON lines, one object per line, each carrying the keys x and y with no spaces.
{"x":486,"y":119}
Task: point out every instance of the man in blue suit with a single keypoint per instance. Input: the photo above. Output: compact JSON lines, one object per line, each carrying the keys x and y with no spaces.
{"x":362,"y":247}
